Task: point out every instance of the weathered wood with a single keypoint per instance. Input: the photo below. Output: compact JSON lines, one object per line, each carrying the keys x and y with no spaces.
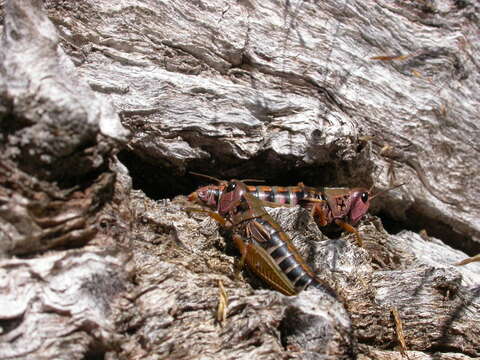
{"x":234,"y":89}
{"x":59,"y":306}
{"x":437,"y":301}
{"x":211,"y":85}
{"x":54,"y":126}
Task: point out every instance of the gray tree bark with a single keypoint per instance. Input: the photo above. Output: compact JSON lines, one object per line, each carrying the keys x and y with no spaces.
{"x":330,"y":93}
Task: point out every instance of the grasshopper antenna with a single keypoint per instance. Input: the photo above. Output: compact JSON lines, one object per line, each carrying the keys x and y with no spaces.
{"x":223,"y":181}
{"x":207,"y":177}
{"x":252,"y":180}
{"x":386,"y":190}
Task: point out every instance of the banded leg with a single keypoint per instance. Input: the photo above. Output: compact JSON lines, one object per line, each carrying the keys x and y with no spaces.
{"x":215,"y":216}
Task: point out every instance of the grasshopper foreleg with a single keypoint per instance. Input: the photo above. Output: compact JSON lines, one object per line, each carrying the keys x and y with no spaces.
{"x":215,"y":216}
{"x":350,"y":229}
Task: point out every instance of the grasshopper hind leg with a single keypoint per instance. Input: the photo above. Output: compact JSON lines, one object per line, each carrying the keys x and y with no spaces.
{"x":242,"y":247}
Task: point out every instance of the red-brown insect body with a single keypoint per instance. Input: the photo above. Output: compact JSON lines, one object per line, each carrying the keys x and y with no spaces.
{"x":326,"y":205}
{"x":349,"y":205}
{"x":266,"y":248}
{"x":290,"y":195}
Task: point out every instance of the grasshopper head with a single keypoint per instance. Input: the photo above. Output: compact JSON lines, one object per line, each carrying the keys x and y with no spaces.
{"x":208,"y":195}
{"x":359,"y":204}
{"x":231,"y":196}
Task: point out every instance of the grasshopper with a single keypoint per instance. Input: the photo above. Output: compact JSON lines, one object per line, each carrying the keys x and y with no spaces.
{"x":341,"y":206}
{"x":262,"y":243}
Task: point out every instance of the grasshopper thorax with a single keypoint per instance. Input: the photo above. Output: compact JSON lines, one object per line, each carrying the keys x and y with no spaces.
{"x":348,"y":205}
{"x":231,"y":197}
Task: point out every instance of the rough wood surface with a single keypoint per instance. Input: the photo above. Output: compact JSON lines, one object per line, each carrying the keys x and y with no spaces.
{"x":59,"y":306}
{"x":212,"y":85}
{"x":281,"y":90}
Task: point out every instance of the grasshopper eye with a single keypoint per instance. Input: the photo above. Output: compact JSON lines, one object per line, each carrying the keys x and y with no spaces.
{"x":364,"y":197}
{"x":231,"y":187}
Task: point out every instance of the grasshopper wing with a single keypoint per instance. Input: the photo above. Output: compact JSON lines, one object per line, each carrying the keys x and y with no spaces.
{"x":262,"y":264}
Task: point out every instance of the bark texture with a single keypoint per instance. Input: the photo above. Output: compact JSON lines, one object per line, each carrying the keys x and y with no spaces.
{"x":329,"y":93}
{"x":291,"y":85}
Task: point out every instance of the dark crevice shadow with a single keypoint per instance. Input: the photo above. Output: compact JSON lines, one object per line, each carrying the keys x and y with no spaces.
{"x":156,"y":180}
{"x":160,"y":180}
{"x":416,"y":221}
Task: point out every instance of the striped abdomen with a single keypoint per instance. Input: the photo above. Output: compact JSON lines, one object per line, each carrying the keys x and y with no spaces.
{"x":267,"y":234}
{"x":290,"y":195}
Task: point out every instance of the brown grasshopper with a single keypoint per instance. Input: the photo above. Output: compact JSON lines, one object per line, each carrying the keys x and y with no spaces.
{"x":341,"y":206}
{"x":263,"y":245}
